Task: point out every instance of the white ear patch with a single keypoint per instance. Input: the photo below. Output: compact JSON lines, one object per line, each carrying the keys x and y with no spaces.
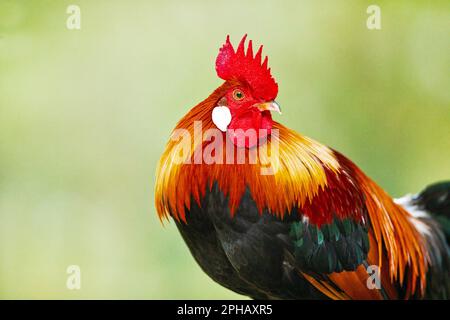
{"x":221,"y":116}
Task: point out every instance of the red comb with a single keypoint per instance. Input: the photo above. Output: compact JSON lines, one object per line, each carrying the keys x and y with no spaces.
{"x":243,"y":66}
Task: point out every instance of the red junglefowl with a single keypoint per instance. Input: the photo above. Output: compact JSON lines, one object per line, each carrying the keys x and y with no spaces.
{"x":272,"y":214}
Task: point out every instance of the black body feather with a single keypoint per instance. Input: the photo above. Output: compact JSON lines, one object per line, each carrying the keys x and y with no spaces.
{"x":262,"y":256}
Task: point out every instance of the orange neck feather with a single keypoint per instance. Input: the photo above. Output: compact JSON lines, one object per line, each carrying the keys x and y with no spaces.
{"x":300,"y":169}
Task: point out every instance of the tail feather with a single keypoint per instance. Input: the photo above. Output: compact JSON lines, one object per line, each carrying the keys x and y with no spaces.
{"x":435,"y":199}
{"x":430,"y":214}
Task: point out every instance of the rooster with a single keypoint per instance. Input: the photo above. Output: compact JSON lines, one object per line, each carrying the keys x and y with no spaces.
{"x":314,"y":226}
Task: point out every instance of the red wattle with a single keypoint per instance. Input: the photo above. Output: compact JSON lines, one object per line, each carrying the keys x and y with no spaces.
{"x":250,"y":129}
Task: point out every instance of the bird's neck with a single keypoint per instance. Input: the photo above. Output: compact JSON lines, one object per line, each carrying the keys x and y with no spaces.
{"x":288,"y":161}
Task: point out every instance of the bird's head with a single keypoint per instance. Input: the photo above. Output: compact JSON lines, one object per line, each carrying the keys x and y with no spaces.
{"x":246,"y":106}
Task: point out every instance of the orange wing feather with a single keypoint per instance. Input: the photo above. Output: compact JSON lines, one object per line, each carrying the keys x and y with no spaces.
{"x":396,"y":247}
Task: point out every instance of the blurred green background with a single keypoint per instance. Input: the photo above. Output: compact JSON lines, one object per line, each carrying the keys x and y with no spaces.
{"x":85,"y":115}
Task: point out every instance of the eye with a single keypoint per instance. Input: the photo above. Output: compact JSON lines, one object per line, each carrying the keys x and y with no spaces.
{"x":238,"y":95}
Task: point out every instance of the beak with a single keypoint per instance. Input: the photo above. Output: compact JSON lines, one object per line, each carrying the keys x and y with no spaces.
{"x":270,"y":106}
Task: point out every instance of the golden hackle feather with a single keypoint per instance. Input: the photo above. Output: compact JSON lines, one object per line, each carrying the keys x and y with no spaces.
{"x":299,"y":169}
